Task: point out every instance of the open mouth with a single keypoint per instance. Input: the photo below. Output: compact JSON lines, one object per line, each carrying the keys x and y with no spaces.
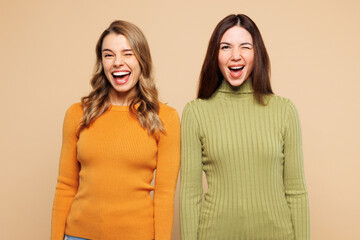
{"x":121,"y":77}
{"x":236,"y":69}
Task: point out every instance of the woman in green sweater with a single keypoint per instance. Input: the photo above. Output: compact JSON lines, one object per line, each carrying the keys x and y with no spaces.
{"x":247,"y":141}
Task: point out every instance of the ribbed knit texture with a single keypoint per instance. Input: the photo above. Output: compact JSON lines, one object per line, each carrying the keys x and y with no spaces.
{"x":104,"y":183}
{"x":252,"y":157}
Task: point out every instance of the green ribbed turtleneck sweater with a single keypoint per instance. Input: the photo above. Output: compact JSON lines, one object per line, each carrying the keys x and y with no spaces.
{"x":252,"y":157}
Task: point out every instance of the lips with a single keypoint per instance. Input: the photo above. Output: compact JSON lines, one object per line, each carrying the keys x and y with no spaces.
{"x":121,"y":77}
{"x":236,"y":71}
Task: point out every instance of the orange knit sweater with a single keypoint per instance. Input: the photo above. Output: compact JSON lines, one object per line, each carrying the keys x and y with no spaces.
{"x":105,"y":174}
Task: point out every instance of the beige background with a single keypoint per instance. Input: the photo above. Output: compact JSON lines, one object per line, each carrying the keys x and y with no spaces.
{"x":47,"y":56}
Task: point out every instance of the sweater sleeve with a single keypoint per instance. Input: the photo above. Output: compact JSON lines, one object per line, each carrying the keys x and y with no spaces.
{"x":167,"y":170}
{"x":190,"y":175}
{"x":294,"y":178}
{"x":67,"y":182}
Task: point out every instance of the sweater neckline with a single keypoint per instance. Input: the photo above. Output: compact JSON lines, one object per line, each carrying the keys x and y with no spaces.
{"x":244,"y":88}
{"x":118,"y":108}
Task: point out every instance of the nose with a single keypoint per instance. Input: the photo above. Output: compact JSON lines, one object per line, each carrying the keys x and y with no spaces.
{"x":236,"y":54}
{"x":118,"y":61}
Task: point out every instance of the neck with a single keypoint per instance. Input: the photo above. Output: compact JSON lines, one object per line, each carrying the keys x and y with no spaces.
{"x":244,"y":88}
{"x":121,"y":98}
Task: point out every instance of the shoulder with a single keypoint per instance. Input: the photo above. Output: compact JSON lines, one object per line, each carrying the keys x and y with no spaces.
{"x":284,"y":105}
{"x":278,"y":101}
{"x":195,"y":110}
{"x":75,"y":111}
{"x":200,"y":107}
{"x":72,"y":119}
{"x":170,"y":119}
{"x":283,"y":101}
{"x":167,"y":112}
{"x":196,"y":105}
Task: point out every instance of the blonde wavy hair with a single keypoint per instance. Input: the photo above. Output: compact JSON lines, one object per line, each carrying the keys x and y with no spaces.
{"x":145,"y":105}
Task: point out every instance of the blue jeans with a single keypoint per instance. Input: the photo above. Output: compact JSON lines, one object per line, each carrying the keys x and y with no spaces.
{"x":67,"y":237}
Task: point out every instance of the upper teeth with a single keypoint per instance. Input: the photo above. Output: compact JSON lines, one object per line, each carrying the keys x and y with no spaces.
{"x":120,"y":73}
{"x":236,"y":68}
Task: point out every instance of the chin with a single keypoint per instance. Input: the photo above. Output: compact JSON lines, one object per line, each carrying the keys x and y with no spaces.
{"x":236,"y":82}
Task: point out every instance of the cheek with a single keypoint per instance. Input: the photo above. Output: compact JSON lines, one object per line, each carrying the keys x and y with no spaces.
{"x":133,"y":64}
{"x":137,"y":66}
{"x":135,"y":69}
{"x":222,"y":59}
{"x":107,"y":70}
{"x":249,"y":59}
{"x":106,"y":66}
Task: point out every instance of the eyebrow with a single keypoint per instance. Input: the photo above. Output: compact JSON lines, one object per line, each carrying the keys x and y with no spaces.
{"x":242,"y":44}
{"x":124,"y":50}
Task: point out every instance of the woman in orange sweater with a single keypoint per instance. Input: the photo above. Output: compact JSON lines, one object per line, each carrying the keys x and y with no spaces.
{"x":112,"y":143}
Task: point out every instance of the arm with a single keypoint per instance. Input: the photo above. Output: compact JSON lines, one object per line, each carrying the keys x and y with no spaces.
{"x":167,"y":170}
{"x":190,"y":175}
{"x":67,"y":183}
{"x":294,"y":179}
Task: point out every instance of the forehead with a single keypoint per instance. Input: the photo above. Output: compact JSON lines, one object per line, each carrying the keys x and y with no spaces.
{"x":115,"y":41}
{"x":236,"y":34}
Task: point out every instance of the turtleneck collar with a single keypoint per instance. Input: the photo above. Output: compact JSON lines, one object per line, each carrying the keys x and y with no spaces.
{"x":244,"y":88}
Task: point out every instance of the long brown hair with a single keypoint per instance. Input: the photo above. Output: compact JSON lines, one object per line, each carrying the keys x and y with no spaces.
{"x":145,"y":104}
{"x":211,"y":76}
